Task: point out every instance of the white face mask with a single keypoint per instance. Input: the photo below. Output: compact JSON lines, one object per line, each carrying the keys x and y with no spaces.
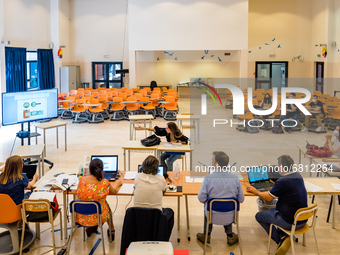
{"x":314,"y":100}
{"x":291,"y":97}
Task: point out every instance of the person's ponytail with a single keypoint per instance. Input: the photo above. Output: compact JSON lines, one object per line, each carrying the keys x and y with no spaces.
{"x":96,"y":169}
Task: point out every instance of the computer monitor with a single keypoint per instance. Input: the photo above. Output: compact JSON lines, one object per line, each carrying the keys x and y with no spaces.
{"x":110,"y":162}
{"x":256,"y":174}
{"x":26,"y":106}
{"x":160,"y":170}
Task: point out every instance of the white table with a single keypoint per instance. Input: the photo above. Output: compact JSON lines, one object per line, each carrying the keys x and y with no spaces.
{"x":48,"y":125}
{"x":194,"y":118}
{"x":136,"y":146}
{"x":163,"y":103}
{"x":33,"y":151}
{"x":140,"y":118}
{"x":183,"y":148}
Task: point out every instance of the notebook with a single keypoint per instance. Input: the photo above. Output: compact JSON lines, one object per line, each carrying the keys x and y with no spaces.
{"x":110,"y":166}
{"x":258,"y":178}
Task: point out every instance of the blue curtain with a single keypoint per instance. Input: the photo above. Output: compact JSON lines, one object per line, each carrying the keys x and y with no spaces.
{"x":15,"y":64}
{"x":45,"y":69}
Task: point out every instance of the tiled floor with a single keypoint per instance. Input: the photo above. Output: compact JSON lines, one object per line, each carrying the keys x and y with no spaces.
{"x":245,"y":149}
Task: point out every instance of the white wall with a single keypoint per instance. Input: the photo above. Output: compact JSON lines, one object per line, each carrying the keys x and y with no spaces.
{"x":188,"y":24}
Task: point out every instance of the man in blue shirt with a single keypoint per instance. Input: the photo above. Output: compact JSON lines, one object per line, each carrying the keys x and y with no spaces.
{"x":220,"y":184}
{"x":291,"y":194}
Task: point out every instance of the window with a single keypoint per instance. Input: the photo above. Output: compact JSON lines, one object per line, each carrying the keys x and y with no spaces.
{"x":104,"y":75}
{"x":32,"y":72}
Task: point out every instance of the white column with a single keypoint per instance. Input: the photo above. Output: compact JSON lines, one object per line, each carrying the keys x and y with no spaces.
{"x":55,"y":37}
{"x":243,"y":68}
{"x":132,"y":69}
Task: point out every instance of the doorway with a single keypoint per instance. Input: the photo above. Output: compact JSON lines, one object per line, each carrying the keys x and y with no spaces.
{"x":270,"y":75}
{"x":319,"y":72}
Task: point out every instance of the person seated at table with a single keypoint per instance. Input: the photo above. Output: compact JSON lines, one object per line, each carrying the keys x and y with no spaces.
{"x":292,"y":112}
{"x":220,"y":184}
{"x":291,"y":194}
{"x":315,"y":106}
{"x":149,"y":189}
{"x":13,"y":182}
{"x":94,"y":188}
{"x":173,"y":135}
{"x":153,"y":84}
{"x":266,"y":103}
{"x":333,"y":143}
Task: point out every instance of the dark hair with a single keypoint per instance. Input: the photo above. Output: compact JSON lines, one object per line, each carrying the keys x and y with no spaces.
{"x":286,"y":162}
{"x":292,"y":93}
{"x":315,"y":96}
{"x":221,"y":158}
{"x":150,"y":165}
{"x":96,"y":169}
{"x":175,"y":131}
{"x":267,"y":100}
{"x":153,"y":85}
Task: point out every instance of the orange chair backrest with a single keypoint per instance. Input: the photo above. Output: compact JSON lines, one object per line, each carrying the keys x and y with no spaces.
{"x":81,"y":89}
{"x":87,"y":92}
{"x":317,"y":93}
{"x":80,"y":94}
{"x":123,"y":95}
{"x":137,"y":95}
{"x":87,"y":99}
{"x":104,"y":98}
{"x":99,"y":89}
{"x":73,"y":92}
{"x":129,"y":92}
{"x":109,"y":95}
{"x":114,"y":93}
{"x":170,"y":99}
{"x":171,"y":90}
{"x":173,"y":94}
{"x":147,"y":89}
{"x":9,"y":211}
{"x":156,"y":95}
{"x":165,"y":89}
{"x":80,"y":107}
{"x":143,"y":92}
{"x":95,"y":94}
{"x":135,"y":90}
{"x":132,"y":105}
{"x":123,"y":89}
{"x":102,"y":92}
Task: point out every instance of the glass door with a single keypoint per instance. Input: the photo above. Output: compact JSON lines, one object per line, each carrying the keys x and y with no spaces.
{"x":271,"y":75}
{"x":104,"y":75}
{"x":319,"y":76}
{"x":263,"y":74}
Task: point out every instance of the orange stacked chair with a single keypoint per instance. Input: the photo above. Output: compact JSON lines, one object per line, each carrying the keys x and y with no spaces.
{"x":118,"y":109}
{"x":122,"y":95}
{"x":95,"y":95}
{"x":129,"y":92}
{"x":155,"y":99}
{"x":67,"y":108}
{"x":87,"y":92}
{"x":105,"y":106}
{"x":80,"y":109}
{"x":87,"y":99}
{"x":79,"y":94}
{"x":170,"y":108}
{"x":114,"y":93}
{"x":146,"y":108}
{"x":96,"y":112}
{"x":138,"y":96}
{"x":123,"y":89}
{"x":73,"y":92}
{"x":143,"y":92}
{"x":109,"y":95}
{"x":135,"y":90}
{"x":102,"y":92}
{"x":174,"y":95}
{"x":132,"y":108}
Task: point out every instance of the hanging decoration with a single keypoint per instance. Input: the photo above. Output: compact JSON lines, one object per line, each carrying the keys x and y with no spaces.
{"x":324,"y":52}
{"x":60,"y":53}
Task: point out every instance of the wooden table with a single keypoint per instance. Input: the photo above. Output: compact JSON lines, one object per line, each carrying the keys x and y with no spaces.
{"x":32,"y":151}
{"x":184,"y":148}
{"x":303,"y":150}
{"x":140,"y":118}
{"x":48,"y":125}
{"x":136,"y":146}
{"x":193,"y":188}
{"x":194,"y":118}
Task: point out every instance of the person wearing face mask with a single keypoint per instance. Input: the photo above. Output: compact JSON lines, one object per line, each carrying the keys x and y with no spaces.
{"x":315,"y":106}
{"x":291,"y":194}
{"x":292,"y":112}
{"x":333,"y":143}
{"x":220,"y":184}
{"x":266,"y":103}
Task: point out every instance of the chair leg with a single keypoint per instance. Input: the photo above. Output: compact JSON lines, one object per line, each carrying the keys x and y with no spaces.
{"x":292,"y":243}
{"x":269,"y":237}
{"x":61,"y":226}
{"x":53,"y":237}
{"x":330,"y":209}
{"x":304,"y":239}
{"x":183,"y":163}
{"x":83,"y":234}
{"x":101,"y":227}
{"x":206,"y":236}
{"x":22,"y":237}
{"x":110,"y":229}
{"x":239,"y":238}
{"x":316,"y":241}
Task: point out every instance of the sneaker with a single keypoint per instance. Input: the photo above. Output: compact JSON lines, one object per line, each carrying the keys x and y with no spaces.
{"x":319,"y":129}
{"x":232,"y":240}
{"x":201,"y":237}
{"x":283,"y":249}
{"x":304,"y":129}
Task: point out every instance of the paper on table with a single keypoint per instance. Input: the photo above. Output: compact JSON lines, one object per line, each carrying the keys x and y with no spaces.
{"x":194,"y":179}
{"x":312,"y":187}
{"x":130,"y":175}
{"x":126,"y":188}
{"x":336,"y":186}
{"x":172,"y":145}
{"x":43,"y":186}
{"x":43,"y":195}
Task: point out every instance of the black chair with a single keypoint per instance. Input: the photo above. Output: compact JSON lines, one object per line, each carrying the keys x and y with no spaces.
{"x":143,"y":224}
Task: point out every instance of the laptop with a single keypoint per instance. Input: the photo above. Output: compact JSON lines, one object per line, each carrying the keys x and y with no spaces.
{"x":30,"y":171}
{"x":258,"y":178}
{"x":160,"y":170}
{"x":110,"y":163}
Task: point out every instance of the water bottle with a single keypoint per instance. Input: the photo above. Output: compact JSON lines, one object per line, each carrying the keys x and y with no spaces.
{"x":81,"y":169}
{"x":176,"y":173}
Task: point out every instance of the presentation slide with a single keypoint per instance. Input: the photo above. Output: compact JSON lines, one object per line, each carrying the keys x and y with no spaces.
{"x":27,"y":106}
{"x":109,"y":163}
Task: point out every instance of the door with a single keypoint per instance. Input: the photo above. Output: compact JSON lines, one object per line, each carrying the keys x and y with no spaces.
{"x":104,"y":75}
{"x":271,"y":75}
{"x":319,"y":76}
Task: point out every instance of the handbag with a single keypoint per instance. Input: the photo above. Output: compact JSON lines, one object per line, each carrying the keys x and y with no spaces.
{"x":151,"y":141}
{"x":316,"y":151}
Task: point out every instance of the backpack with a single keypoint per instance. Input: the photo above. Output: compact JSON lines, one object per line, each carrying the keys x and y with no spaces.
{"x":252,"y":130}
{"x":277,"y":129}
{"x":151,"y":141}
{"x":317,"y":151}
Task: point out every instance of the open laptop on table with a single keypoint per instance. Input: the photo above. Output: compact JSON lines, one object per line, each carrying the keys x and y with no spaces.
{"x":110,"y":163}
{"x":160,"y":170}
{"x":29,"y":170}
{"x":258,"y":178}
